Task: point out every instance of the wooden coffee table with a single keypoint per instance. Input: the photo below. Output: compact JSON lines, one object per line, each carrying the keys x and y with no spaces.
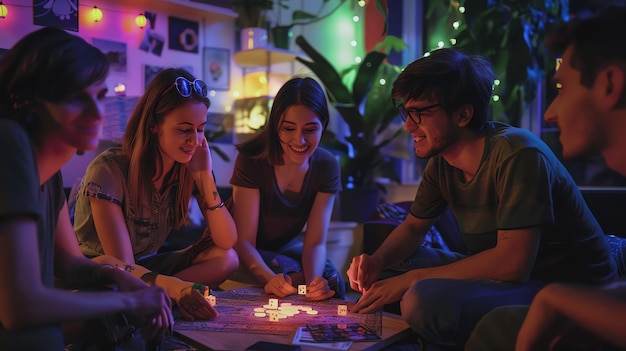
{"x":236,"y":328}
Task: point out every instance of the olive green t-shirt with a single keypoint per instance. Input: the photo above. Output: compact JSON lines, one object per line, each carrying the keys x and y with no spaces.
{"x":519,"y":184}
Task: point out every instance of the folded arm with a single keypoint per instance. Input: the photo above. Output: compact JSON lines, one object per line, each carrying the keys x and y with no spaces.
{"x":598,"y":310}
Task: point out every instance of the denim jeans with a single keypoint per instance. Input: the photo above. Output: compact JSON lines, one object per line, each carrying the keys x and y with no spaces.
{"x":445,"y":311}
{"x":287,"y":259}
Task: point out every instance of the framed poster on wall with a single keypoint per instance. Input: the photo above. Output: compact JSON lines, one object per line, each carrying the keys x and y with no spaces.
{"x":115,"y":52}
{"x":216,"y":68}
{"x":60,"y":14}
{"x":149,"y":72}
{"x":183,"y":34}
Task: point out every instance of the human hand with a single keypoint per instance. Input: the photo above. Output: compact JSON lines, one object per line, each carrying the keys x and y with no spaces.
{"x":154,"y":308}
{"x":363,"y":271}
{"x":201,"y":160}
{"x":381,"y":293}
{"x":318,"y":289}
{"x":280,"y":285}
{"x":193,"y":305}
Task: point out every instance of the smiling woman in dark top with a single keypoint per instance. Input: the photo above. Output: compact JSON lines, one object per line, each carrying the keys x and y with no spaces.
{"x":281,"y":182}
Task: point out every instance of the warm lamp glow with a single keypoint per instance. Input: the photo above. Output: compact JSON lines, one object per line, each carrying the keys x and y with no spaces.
{"x":96,"y":14}
{"x":3,"y":10}
{"x":141,"y":20}
{"x":120,"y":89}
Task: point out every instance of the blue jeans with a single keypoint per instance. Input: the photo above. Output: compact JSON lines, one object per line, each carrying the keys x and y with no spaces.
{"x":287,"y":260}
{"x":445,"y":311}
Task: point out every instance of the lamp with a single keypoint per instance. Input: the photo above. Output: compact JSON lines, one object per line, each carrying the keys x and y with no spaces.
{"x":120,"y":89}
{"x":96,"y":14}
{"x":3,"y":10}
{"x":251,"y":115}
{"x":141,"y":20}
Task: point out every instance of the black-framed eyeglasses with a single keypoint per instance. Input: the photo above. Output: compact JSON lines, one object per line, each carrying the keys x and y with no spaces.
{"x":185,"y":87}
{"x":415,"y":114}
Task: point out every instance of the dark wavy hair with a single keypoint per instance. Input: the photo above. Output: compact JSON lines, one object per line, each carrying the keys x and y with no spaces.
{"x":304,"y":91}
{"x":48,"y":64}
{"x":141,"y":144}
{"x":597,"y":41}
{"x":451,"y":78}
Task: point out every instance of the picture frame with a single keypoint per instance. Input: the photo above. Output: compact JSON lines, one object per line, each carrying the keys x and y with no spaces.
{"x":152,"y":42}
{"x":47,"y":14}
{"x":216,"y":68}
{"x":183,"y":34}
{"x":115,"y":52}
{"x":149,"y":72}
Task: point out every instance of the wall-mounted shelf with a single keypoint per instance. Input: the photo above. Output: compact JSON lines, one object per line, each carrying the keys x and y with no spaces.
{"x":212,"y":13}
{"x":263,"y":57}
{"x":262,"y":74}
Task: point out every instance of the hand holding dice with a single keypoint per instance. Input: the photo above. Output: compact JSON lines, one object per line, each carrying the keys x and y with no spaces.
{"x":318,"y":290}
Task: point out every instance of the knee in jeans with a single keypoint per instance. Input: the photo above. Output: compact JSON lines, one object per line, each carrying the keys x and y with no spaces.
{"x":412,"y":304}
{"x":421,"y":305}
{"x":335,"y":280}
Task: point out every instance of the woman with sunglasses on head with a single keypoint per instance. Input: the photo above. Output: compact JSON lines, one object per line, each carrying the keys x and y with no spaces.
{"x":52,"y":85}
{"x":281,"y":182}
{"x":132,"y":196}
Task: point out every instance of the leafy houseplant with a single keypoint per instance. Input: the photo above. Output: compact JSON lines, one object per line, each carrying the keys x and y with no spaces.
{"x":252,"y":12}
{"x":367,"y":110}
{"x":510,"y":34}
{"x":282,"y":32}
{"x":211,"y":137}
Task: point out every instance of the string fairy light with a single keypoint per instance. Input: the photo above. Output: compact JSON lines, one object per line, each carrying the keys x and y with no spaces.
{"x":96,"y":14}
{"x":141,"y":20}
{"x":3,"y":10}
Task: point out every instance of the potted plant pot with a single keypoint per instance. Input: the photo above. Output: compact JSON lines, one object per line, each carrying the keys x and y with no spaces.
{"x":253,"y":38}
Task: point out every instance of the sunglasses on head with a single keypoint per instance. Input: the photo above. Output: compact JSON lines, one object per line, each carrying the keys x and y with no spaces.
{"x":185,"y":87}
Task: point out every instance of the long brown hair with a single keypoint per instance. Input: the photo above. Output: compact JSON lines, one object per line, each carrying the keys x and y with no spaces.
{"x":141,"y":144}
{"x":304,"y":91}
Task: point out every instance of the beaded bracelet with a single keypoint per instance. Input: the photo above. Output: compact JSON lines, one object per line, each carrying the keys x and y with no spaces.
{"x":197,"y":286}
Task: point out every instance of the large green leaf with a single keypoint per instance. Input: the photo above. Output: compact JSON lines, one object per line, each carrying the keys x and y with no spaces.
{"x":366,"y":108}
{"x":337,"y":91}
{"x":366,"y":74}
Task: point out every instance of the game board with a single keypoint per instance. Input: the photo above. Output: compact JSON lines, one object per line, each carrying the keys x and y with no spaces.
{"x":236,"y":314}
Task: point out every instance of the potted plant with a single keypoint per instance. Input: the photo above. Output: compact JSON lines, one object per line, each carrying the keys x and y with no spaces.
{"x":282,"y":32}
{"x":254,"y":14}
{"x":367,"y":109}
{"x":252,"y":21}
{"x":510,"y":34}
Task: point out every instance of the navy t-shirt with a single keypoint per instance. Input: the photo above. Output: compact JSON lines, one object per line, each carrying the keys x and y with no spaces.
{"x":281,"y":220}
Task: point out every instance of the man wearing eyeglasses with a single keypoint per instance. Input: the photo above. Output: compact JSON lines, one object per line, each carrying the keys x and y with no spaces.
{"x":520,"y":213}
